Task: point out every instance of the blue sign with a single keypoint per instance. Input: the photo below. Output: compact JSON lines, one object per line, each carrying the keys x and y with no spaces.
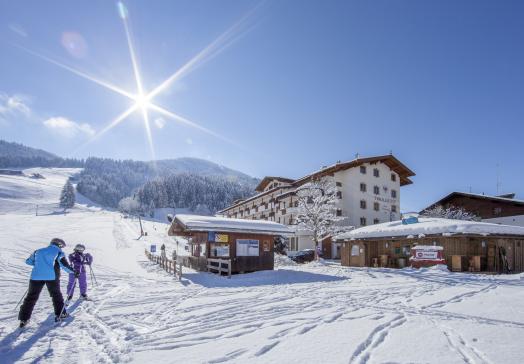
{"x":211,"y":236}
{"x":153,"y":248}
{"x":409,"y":220}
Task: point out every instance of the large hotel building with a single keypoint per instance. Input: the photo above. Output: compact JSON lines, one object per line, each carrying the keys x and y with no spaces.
{"x":368,"y":191}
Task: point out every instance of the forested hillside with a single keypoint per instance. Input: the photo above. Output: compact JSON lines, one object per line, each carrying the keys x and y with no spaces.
{"x":201,"y":194}
{"x":14,"y":155}
{"x":108,"y":181}
{"x":197,"y":184}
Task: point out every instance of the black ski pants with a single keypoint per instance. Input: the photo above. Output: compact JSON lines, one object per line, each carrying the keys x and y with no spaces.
{"x":35,"y":287}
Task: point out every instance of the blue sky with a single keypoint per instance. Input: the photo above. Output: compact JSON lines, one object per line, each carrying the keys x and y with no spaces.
{"x":293,"y":86}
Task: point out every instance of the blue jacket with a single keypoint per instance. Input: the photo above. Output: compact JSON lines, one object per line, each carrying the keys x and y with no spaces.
{"x":47,"y":262}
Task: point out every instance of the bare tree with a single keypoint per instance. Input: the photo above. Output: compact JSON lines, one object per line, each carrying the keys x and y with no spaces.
{"x":455,"y":213}
{"x":317,"y":209}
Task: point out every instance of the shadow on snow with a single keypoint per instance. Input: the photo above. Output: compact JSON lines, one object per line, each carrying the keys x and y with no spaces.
{"x":260,"y":278}
{"x":13,"y":353}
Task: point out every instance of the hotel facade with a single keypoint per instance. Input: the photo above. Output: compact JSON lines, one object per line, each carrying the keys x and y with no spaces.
{"x":368,"y":192}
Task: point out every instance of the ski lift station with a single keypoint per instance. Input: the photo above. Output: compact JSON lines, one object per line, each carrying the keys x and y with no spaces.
{"x":461,"y":245}
{"x":227,"y":245}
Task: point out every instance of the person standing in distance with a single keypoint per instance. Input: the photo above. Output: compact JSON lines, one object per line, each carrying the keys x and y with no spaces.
{"x":46,"y":264}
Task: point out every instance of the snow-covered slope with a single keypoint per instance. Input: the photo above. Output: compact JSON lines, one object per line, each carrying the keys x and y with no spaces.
{"x":313,"y":313}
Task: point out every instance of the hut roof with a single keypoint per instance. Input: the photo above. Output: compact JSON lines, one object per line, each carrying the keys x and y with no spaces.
{"x":223,"y":224}
{"x":430,"y":226}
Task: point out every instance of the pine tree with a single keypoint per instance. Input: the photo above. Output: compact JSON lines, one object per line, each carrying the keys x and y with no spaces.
{"x":67,"y":197}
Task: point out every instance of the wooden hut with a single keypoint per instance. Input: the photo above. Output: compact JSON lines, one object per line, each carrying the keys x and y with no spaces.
{"x":237,"y":245}
{"x":467,"y":245}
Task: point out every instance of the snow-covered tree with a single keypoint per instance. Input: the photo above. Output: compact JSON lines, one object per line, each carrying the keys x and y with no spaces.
{"x":317,"y":210}
{"x":67,"y":197}
{"x":456,"y":213}
{"x":281,"y":245}
{"x":129,"y":205}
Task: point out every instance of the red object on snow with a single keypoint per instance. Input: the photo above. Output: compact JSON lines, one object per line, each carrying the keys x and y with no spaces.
{"x":426,"y":256}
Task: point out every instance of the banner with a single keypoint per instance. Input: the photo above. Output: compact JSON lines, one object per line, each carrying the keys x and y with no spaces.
{"x":426,"y":254}
{"x":221,"y":238}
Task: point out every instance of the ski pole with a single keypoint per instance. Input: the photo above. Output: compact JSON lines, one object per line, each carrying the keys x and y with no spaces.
{"x":92,"y":274}
{"x":69,"y":294}
{"x":18,"y":304}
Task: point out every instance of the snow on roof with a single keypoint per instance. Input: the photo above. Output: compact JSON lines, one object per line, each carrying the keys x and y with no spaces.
{"x":224,"y":224}
{"x":431,"y":226}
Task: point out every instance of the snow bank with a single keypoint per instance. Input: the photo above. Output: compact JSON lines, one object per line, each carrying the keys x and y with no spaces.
{"x":283,"y":261}
{"x":431,"y":226}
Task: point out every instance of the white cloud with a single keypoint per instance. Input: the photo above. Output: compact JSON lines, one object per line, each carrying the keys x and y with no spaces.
{"x":160,"y":123}
{"x":68,"y":128}
{"x":13,"y":105}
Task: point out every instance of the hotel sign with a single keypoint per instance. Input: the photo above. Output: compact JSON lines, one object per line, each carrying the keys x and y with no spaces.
{"x":384,"y":199}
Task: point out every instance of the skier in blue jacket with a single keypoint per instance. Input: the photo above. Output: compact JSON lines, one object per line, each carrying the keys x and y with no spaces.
{"x":46,"y":264}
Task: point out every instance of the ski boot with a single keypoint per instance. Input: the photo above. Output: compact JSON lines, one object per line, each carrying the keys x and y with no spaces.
{"x":61,"y":317}
{"x":23,"y":323}
{"x":69,"y":298}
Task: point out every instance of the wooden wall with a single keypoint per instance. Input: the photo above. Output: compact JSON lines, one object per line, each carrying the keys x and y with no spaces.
{"x":484,"y":207}
{"x":265,"y":260}
{"x":453,"y":245}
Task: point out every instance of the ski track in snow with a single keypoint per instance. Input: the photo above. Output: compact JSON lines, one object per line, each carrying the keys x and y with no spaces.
{"x":140,"y":313}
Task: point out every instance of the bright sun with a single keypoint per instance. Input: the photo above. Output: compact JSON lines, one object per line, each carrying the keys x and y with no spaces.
{"x":142,"y":101}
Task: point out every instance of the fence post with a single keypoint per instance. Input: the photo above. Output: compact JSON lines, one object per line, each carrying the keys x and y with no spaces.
{"x":229,"y":269}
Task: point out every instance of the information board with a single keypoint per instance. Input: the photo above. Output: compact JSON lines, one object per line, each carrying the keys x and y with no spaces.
{"x":247,"y":248}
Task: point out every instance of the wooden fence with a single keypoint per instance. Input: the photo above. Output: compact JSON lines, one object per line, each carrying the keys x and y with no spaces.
{"x":168,"y":265}
{"x":220,"y":266}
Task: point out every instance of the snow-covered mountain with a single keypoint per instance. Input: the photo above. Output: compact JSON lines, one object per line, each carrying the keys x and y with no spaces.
{"x":107,"y":181}
{"x":203,"y":167}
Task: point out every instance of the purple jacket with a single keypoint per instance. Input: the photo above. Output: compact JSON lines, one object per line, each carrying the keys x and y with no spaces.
{"x":78,"y":260}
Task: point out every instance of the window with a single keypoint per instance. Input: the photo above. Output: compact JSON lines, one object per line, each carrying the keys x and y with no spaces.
{"x":339,"y":212}
{"x":362,"y":221}
{"x":363,"y":169}
{"x":362,"y":204}
{"x":355,"y":250}
{"x":376,"y":190}
{"x":376,"y":173}
{"x":339,"y":184}
{"x":393,"y":194}
{"x":376,"y":221}
{"x":339,"y":194}
{"x":393,"y":177}
{"x":363,"y":187}
{"x":296,"y":203}
{"x":393,"y":208}
{"x":497,"y":210}
{"x":376,"y":206}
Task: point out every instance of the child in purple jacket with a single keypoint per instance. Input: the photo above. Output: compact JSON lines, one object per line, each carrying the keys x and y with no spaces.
{"x":78,"y":261}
